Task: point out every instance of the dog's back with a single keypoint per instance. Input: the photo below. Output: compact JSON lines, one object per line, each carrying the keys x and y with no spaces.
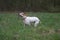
{"x":32,"y":19}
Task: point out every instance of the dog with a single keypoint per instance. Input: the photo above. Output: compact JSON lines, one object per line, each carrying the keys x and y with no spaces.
{"x":27,"y":20}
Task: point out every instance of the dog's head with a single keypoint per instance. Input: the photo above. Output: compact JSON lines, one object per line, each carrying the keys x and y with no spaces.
{"x":21,"y":14}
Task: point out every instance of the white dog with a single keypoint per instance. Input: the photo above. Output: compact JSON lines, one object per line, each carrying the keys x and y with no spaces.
{"x":28,"y":20}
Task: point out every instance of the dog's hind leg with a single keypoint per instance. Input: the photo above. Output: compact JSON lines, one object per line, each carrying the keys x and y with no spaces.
{"x":36,"y":23}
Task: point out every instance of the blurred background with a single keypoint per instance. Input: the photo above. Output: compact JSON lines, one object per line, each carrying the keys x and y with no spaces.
{"x":30,"y":5}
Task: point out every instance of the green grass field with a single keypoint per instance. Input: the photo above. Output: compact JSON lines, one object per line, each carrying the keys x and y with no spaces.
{"x":12,"y":28}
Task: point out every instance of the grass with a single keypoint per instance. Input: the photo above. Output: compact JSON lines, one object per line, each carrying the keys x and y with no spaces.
{"x":11,"y":27}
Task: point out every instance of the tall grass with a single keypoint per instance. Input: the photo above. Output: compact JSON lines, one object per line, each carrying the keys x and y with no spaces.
{"x":11,"y":27}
